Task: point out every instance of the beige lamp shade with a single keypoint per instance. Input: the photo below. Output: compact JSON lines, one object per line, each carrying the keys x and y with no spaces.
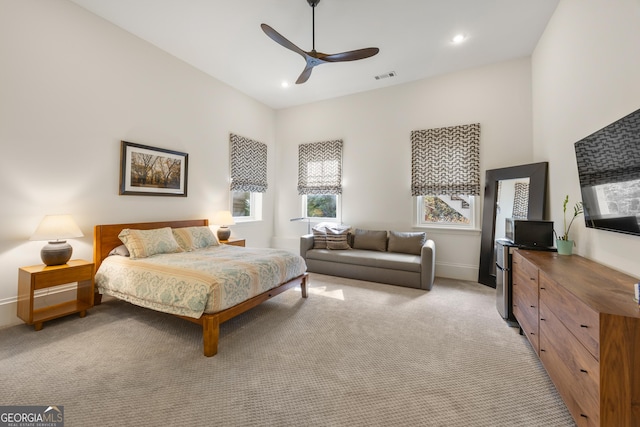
{"x":223,"y":219}
{"x":56,"y":228}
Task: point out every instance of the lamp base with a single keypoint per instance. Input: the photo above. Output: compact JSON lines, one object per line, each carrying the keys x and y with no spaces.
{"x":224,"y":233}
{"x":56,"y":253}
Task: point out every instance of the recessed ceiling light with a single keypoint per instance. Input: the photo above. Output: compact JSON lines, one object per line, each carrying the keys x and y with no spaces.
{"x":284,"y":84}
{"x":459,"y":38}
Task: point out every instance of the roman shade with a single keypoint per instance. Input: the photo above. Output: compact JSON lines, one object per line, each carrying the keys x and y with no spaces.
{"x":320,"y":168}
{"x":446,"y":161}
{"x":248,"y":164}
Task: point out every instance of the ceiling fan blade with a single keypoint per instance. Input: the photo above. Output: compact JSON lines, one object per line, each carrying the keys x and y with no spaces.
{"x":352,"y":55}
{"x":304,"y":76}
{"x":279,"y":38}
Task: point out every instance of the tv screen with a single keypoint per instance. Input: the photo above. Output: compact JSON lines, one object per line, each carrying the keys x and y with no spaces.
{"x":609,"y":171}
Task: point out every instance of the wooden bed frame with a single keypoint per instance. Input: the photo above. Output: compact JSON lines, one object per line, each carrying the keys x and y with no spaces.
{"x":105,"y":238}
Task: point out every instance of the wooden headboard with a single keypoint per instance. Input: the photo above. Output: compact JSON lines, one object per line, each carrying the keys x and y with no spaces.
{"x":105,"y":237}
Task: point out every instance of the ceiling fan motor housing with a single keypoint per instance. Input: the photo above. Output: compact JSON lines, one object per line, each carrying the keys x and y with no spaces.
{"x":313,"y":3}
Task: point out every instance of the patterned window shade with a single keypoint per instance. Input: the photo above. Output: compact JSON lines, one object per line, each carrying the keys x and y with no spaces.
{"x":320,"y":168}
{"x":446,"y":161}
{"x":521,"y":201}
{"x":248,"y":165}
{"x":610,"y":154}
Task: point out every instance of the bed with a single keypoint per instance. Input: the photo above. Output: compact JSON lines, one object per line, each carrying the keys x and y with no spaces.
{"x":216,"y":309}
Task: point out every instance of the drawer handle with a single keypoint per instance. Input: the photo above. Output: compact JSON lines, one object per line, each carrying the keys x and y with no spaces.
{"x":583,"y":371}
{"x":533,"y":306}
{"x":542,"y":319}
{"x":542,"y":349}
{"x":542,"y":289}
{"x":583,"y":416}
{"x":583,"y":326}
{"x":532,"y":278}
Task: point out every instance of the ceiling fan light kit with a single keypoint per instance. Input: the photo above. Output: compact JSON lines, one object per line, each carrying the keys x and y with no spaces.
{"x":313,"y":57}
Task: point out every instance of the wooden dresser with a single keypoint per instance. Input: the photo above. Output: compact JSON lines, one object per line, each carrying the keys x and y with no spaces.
{"x":583,"y":322}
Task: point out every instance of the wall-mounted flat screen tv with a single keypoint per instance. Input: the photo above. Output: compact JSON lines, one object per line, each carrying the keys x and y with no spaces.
{"x":609,"y":170}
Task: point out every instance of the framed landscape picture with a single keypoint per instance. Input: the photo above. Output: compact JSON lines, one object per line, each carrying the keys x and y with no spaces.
{"x":151,"y":171}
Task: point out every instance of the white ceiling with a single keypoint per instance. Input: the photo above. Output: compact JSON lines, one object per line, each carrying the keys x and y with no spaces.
{"x":224,"y":39}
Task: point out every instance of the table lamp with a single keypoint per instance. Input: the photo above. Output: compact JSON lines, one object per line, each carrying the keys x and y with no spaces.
{"x":55,"y":228}
{"x":223,"y":219}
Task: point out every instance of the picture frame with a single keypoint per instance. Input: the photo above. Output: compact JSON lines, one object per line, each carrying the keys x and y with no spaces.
{"x":152,"y":171}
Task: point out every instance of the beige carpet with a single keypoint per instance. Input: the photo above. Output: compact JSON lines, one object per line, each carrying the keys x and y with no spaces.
{"x":353,"y":354}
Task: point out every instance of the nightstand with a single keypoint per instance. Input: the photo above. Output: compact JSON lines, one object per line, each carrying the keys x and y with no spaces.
{"x":233,"y":242}
{"x":37,"y":277}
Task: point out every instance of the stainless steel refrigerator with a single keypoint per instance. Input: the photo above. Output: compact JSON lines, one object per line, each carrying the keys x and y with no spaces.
{"x":503,"y":253}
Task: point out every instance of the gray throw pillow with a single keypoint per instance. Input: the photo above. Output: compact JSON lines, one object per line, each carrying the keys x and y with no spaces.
{"x":372,"y":240}
{"x":406,"y":242}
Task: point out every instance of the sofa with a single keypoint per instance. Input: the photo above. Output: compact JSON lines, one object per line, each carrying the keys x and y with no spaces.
{"x":392,"y":257}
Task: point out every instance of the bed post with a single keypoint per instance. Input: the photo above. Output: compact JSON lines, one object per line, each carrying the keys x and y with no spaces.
{"x":304,"y":285}
{"x":210,"y":334}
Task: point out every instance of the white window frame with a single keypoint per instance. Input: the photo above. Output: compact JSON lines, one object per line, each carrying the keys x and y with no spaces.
{"x":474,"y":224}
{"x":255,"y":207}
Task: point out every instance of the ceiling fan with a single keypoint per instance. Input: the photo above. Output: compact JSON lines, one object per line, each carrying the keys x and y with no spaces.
{"x":314,"y":58}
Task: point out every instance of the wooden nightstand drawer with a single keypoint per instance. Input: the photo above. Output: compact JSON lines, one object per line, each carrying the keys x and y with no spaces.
{"x":51,"y":276}
{"x":234,"y":242}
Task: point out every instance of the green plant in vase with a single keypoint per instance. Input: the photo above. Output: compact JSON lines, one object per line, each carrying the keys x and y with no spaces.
{"x":564,"y":244}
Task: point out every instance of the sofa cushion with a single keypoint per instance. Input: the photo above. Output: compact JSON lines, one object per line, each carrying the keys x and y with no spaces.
{"x":372,"y":240}
{"x":337,"y":239}
{"x":389,"y":260}
{"x":406,"y":242}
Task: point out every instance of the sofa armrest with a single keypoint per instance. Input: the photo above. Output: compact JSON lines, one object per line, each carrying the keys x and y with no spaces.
{"x":428,"y":264}
{"x":306,"y":243}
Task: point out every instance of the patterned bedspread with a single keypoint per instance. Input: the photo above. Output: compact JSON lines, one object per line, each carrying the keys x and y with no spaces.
{"x":202,"y":281}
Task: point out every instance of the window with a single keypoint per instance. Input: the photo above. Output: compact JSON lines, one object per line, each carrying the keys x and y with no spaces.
{"x":248,"y":177}
{"x":320,"y":178}
{"x":246,"y":205}
{"x":445,"y":175}
{"x":320,"y":206}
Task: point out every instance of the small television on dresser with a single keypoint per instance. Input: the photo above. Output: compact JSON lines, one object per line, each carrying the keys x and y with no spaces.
{"x":609,"y":171}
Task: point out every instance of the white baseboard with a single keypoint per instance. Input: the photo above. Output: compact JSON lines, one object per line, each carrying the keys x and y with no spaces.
{"x":49,"y":296}
{"x":457,"y":271}
{"x":8,"y":315}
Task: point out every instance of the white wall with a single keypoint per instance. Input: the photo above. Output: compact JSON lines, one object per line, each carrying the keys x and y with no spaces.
{"x":376,"y":128}
{"x":72,"y":86}
{"x":585,"y":71}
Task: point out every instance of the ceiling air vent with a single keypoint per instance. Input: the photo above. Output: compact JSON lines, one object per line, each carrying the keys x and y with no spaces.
{"x":386,"y":75}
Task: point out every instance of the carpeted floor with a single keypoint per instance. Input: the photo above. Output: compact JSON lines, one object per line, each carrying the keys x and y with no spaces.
{"x":353,"y":354}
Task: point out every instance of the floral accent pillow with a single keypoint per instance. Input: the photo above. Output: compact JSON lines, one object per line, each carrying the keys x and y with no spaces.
{"x":192,"y":238}
{"x":144,"y":243}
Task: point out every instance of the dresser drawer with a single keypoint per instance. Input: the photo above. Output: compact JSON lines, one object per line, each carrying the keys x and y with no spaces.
{"x":525,"y":310}
{"x":574,"y":371}
{"x":580,"y":320}
{"x":528,"y":321}
{"x":527,"y":272}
